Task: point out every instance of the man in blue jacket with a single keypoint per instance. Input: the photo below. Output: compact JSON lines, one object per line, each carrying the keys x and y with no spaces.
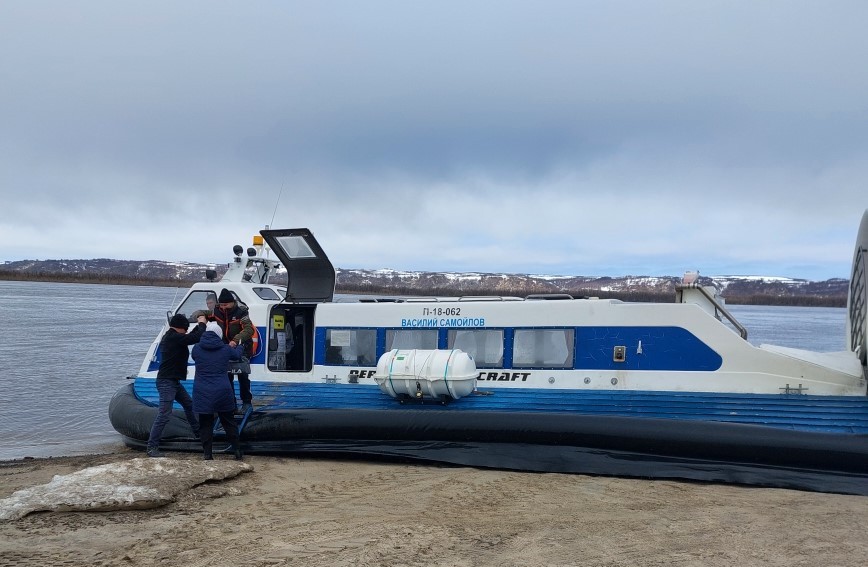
{"x":175,"y":349}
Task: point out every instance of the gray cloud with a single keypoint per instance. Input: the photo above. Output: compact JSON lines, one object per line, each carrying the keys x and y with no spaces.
{"x":571,"y":137}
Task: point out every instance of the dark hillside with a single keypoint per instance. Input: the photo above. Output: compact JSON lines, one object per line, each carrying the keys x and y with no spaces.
{"x":735,"y":289}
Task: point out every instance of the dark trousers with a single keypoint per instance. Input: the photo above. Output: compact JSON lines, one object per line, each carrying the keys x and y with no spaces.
{"x":206,"y":421}
{"x":171,"y":391}
{"x":243,"y":387}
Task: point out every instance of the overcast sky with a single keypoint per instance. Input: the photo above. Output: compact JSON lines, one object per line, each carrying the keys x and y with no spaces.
{"x":545,"y":137}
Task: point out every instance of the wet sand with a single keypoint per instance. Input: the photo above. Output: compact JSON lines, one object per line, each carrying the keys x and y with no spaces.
{"x":316,"y":512}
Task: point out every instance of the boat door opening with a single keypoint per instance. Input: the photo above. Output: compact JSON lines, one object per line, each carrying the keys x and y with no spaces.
{"x":290,"y":338}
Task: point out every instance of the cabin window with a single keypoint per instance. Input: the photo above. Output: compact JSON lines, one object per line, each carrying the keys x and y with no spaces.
{"x":543,"y":348}
{"x":266,"y":293}
{"x":485,"y":346}
{"x":357,"y":347}
{"x":195,"y":302}
{"x":406,"y":339}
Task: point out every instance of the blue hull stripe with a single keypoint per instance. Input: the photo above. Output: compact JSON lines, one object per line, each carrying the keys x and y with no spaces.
{"x":831,"y":414}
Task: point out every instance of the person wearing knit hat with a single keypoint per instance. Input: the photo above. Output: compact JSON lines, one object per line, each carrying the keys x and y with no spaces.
{"x":179,"y":321}
{"x":237,"y":329}
{"x":174,"y":352}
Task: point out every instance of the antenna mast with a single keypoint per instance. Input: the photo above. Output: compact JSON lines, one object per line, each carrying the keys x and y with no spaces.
{"x":275,"y":205}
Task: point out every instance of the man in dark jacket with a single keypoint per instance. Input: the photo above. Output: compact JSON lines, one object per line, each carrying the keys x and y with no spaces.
{"x":175,"y":350}
{"x":237,"y":330}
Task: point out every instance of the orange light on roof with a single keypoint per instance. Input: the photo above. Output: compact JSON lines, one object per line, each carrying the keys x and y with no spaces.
{"x":257,"y":240}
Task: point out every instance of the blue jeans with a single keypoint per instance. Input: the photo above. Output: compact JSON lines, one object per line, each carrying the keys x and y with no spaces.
{"x":171,"y":391}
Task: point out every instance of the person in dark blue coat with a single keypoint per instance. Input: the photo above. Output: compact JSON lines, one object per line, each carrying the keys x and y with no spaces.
{"x":212,"y":393}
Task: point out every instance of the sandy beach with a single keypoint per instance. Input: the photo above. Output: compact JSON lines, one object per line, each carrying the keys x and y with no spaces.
{"x":316,"y":512}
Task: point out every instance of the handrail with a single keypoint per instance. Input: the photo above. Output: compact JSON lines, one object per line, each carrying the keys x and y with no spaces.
{"x":717,"y":306}
{"x":858,"y":298}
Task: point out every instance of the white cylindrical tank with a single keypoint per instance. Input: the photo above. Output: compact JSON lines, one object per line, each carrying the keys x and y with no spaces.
{"x":426,"y":373}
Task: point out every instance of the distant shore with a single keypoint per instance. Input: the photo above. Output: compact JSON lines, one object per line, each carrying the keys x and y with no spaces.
{"x":107,"y":279}
{"x":404,"y":291}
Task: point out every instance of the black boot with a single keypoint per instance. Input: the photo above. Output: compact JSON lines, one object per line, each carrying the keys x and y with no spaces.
{"x":236,"y":448}
{"x":206,"y":453}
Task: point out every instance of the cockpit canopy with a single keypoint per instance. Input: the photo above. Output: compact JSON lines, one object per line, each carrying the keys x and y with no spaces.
{"x":310,"y":274}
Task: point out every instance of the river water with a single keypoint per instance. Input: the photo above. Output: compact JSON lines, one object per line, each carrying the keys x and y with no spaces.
{"x":69,"y":347}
